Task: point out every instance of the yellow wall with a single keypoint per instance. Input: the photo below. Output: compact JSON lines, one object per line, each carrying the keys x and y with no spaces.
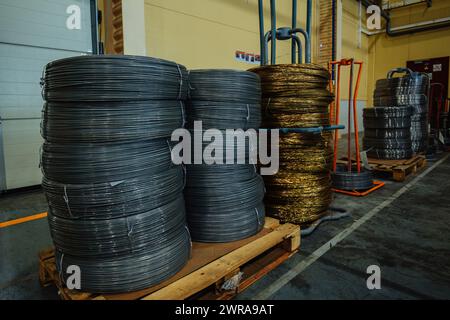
{"x":349,"y":48}
{"x":206,"y":33}
{"x":391,"y":52}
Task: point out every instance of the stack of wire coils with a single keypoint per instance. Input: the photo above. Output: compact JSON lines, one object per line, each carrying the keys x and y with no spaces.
{"x":387,"y":132}
{"x":224,"y":198}
{"x":410,"y":90}
{"x":116,"y":207}
{"x":296,"y":96}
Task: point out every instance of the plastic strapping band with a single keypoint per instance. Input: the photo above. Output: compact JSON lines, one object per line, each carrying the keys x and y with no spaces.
{"x":267,"y":106}
{"x":257,"y":216}
{"x":181,"y":82}
{"x":66,"y":200}
{"x":42,"y":82}
{"x":170,"y":150}
{"x":190,"y":239}
{"x":183,"y":114}
{"x":184,"y":175}
{"x":61,"y":268}
{"x":130,"y":233}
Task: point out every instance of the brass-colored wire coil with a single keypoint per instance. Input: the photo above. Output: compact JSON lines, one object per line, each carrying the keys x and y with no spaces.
{"x":296,"y":96}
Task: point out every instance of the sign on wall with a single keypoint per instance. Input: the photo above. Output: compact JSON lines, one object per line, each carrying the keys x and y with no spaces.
{"x":247,"y":57}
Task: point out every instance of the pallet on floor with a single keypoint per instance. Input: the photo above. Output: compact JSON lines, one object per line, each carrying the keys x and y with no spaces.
{"x":205,"y":273}
{"x":399,"y":169}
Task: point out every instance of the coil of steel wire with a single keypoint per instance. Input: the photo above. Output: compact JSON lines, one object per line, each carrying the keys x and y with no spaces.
{"x":221,"y":85}
{"x":96,"y":163}
{"x":401,"y":101}
{"x":296,"y":96}
{"x":224,"y":115}
{"x":416,"y":80}
{"x":115,"y":198}
{"x":387,"y":133}
{"x":351,"y":180}
{"x":110,"y":121}
{"x":216,"y":212}
{"x":390,"y":154}
{"x":387,"y":117}
{"x":114,"y":78}
{"x":386,"y":143}
{"x":222,"y":100}
{"x":132,"y":271}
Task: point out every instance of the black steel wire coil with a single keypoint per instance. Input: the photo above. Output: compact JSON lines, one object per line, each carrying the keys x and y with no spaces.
{"x":114,"y":78}
{"x":131,"y":271}
{"x":387,"y":123}
{"x":400,"y":100}
{"x":353,"y":180}
{"x":390,"y":154}
{"x":96,"y":163}
{"x":417,"y":80}
{"x":386,"y":143}
{"x":116,"y":199}
{"x":221,"y":85}
{"x":115,"y":237}
{"x":223,"y":115}
{"x":102,"y":122}
{"x":387,"y":112}
{"x":389,"y":91}
{"x":388,"y":133}
{"x":224,"y":202}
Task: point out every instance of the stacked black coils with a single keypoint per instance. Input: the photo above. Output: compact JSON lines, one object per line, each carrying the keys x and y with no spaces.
{"x":408,"y":91}
{"x":387,"y":133}
{"x":224,"y":201}
{"x":296,"y":96}
{"x":116,"y":207}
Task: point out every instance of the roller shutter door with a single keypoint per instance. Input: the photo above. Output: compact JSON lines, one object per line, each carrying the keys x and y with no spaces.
{"x":32,"y":33}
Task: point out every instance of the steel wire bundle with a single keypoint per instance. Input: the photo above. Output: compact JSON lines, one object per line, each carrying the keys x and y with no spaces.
{"x":224,"y":202}
{"x":116,"y":205}
{"x":410,"y":90}
{"x":296,"y":96}
{"x":110,"y":121}
{"x":114,"y":78}
{"x":386,"y":132}
{"x":301,"y":191}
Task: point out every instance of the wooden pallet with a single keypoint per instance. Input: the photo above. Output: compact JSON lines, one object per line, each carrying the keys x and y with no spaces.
{"x":210,"y":266}
{"x":399,"y":169}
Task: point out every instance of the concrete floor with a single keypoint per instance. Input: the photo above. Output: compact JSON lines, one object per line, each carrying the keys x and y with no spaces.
{"x":409,"y":240}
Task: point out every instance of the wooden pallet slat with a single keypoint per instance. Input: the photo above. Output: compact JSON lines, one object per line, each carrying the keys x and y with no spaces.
{"x":399,"y":169}
{"x":211,"y":265}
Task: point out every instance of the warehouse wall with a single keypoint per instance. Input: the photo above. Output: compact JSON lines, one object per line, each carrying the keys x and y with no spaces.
{"x":390,"y":52}
{"x":206,"y":34}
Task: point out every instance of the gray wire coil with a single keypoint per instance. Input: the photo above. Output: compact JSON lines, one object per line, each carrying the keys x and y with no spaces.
{"x":390,"y":154}
{"x":223,"y":115}
{"x":114,"y":78}
{"x":132,"y":271}
{"x":345,"y":180}
{"x":117,"y":121}
{"x":115,"y":198}
{"x":224,"y":202}
{"x":221,"y":85}
{"x":388,"y":133}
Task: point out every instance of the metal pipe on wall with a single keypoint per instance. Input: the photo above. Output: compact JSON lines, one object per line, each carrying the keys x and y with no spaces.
{"x":261,"y":31}
{"x":294,"y":26}
{"x":273,"y":19}
{"x":308,"y":17}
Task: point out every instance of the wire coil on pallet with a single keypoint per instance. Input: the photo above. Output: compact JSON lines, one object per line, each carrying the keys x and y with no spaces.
{"x":132,"y":271}
{"x":115,"y":199}
{"x":216,"y":212}
{"x":224,"y":99}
